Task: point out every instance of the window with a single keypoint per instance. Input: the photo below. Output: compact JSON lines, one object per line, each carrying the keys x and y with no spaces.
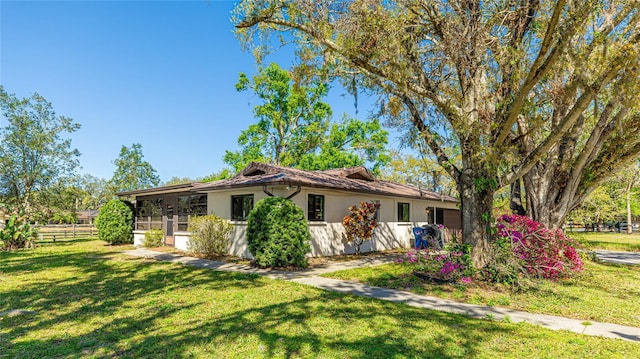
{"x":315,"y":207}
{"x":149,"y":214}
{"x":241,"y":206}
{"x":403,"y":212}
{"x":190,"y":206}
{"x":439,"y":216}
{"x":435,"y":215}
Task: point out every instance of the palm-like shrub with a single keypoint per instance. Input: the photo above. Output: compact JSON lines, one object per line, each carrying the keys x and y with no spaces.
{"x":115,"y":222}
{"x":277,"y":233}
{"x":17,"y":234}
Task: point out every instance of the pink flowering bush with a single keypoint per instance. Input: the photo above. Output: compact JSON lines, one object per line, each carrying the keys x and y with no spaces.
{"x":452,"y":265}
{"x":536,"y":251}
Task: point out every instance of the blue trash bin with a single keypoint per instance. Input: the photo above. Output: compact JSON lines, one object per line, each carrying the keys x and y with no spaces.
{"x":419,"y":241}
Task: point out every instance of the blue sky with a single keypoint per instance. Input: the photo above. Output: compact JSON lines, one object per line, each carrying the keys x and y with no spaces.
{"x":159,"y":73}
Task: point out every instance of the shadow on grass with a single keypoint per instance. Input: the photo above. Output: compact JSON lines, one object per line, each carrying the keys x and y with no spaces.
{"x":65,"y":241}
{"x":233,"y":335}
{"x":108,"y":305}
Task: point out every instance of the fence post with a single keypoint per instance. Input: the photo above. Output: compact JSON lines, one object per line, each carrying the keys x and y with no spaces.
{"x":74,"y":230}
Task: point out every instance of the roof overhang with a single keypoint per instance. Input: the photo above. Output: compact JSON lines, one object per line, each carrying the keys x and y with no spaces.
{"x":285,"y":182}
{"x":184,"y":187}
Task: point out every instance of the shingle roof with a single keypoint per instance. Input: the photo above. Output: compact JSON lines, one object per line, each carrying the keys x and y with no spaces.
{"x":352,"y":179}
{"x":90,"y":213}
{"x":183,"y":187}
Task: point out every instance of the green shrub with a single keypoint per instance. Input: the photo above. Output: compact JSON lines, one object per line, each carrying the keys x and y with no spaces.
{"x":452,"y":265}
{"x":115,"y":222}
{"x":209,"y":235}
{"x":277,"y":233}
{"x":153,"y":238}
{"x":17,"y":234}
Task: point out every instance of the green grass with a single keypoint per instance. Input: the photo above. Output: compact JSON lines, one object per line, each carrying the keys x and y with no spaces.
{"x":91,"y":301}
{"x":603,"y":292}
{"x":608,"y":240}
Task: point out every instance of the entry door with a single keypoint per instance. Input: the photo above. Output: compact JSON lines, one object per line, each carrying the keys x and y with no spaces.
{"x":169,"y":224}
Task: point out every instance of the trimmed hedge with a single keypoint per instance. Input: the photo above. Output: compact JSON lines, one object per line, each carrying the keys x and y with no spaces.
{"x":277,"y":233}
{"x":115,"y":222}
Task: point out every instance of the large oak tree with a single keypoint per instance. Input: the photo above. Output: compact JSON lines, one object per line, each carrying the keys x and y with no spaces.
{"x":489,"y":70}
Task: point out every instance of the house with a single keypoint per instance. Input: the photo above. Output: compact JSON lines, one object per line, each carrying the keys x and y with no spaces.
{"x":325,"y":197}
{"x":87,"y":217}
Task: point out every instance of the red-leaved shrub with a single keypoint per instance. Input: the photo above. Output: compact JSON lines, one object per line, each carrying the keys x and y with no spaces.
{"x":543,"y":253}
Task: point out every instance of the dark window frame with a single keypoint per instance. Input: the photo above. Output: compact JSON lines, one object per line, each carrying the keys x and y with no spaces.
{"x":190,"y":206}
{"x":439,"y":216}
{"x":404,"y":212}
{"x":242,"y":202}
{"x":314,"y":213}
{"x":149,"y":213}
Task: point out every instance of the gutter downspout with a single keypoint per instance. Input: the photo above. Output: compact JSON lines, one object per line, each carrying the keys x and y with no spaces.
{"x":298,"y":189}
{"x":264,"y":189}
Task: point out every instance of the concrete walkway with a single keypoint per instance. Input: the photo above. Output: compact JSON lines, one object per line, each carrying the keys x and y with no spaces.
{"x":311,"y":277}
{"x":629,"y":258}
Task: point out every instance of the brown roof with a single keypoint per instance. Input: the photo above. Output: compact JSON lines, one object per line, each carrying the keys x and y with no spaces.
{"x":352,"y":179}
{"x":90,"y":213}
{"x":183,"y":187}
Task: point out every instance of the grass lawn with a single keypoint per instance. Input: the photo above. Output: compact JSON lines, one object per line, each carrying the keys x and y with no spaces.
{"x":92,"y":301}
{"x":603,"y":292}
{"x":608,"y":240}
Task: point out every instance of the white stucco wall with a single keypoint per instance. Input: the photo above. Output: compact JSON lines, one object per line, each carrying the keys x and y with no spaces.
{"x":138,"y":238}
{"x":328,"y":235}
{"x":181,"y":240}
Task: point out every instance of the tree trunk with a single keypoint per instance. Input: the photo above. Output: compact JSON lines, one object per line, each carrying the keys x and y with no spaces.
{"x":629,"y":224}
{"x":547,"y":203}
{"x":515,"y":204}
{"x":476,"y":206}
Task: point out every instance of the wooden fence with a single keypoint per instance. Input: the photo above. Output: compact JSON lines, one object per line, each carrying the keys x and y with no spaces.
{"x":55,"y":232}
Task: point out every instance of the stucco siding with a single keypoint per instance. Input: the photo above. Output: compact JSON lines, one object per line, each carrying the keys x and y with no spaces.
{"x":181,"y":240}
{"x":239,"y":246}
{"x":328,"y":235}
{"x":138,"y":238}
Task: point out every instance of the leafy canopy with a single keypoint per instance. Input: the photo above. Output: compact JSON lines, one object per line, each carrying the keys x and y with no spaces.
{"x":294,"y":127}
{"x":132,"y":171}
{"x":34,"y":149}
{"x":511,"y":80}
